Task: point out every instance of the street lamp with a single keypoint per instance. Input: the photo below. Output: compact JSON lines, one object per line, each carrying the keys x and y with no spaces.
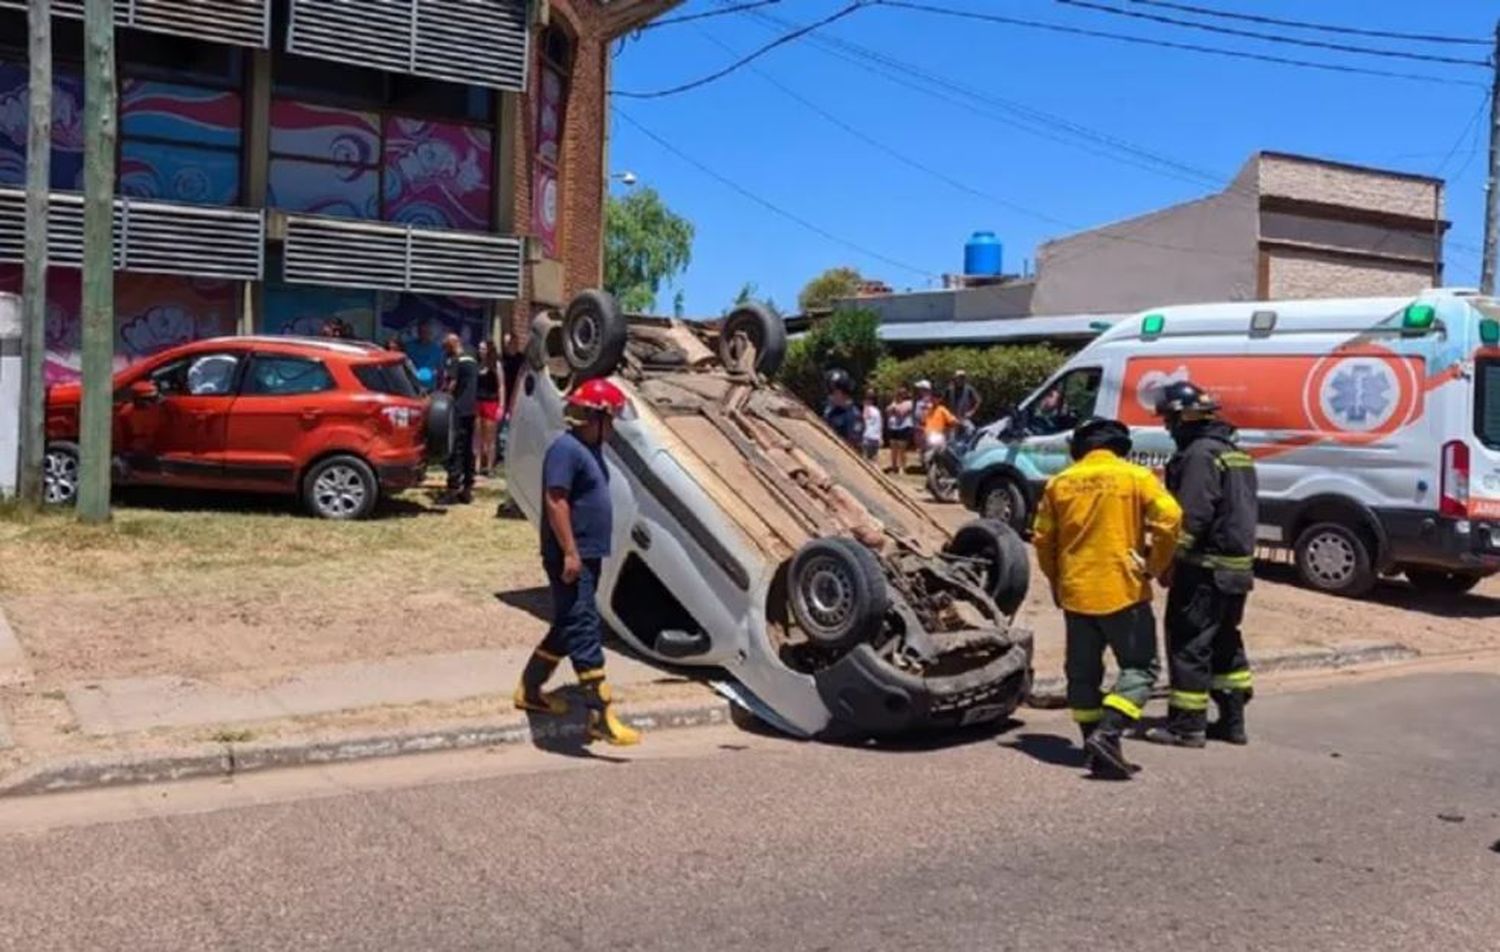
{"x":626,"y":179}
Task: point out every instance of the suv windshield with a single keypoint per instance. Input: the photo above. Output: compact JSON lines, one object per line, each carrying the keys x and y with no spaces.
{"x":1487,"y":402}
{"x":396,"y":378}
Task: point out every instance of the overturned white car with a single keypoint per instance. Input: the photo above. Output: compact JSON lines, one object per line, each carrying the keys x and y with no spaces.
{"x":749,"y":538}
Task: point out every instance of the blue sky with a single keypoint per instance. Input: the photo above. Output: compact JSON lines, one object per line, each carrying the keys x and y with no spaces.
{"x":983,"y":170}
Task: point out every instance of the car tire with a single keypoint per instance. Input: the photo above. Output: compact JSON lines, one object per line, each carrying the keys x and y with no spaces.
{"x":1430,"y":581}
{"x":1003,"y":501}
{"x":838,"y":592}
{"x":942,"y":481}
{"x":763,"y":329}
{"x":60,"y":474}
{"x":340,"y":488}
{"x":1333,"y":558}
{"x":1007,"y":576}
{"x":594,"y":333}
{"x":440,"y":426}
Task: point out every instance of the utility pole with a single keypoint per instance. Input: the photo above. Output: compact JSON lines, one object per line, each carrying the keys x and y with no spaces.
{"x":1492,"y":187}
{"x":98,"y":260}
{"x":34,"y":280}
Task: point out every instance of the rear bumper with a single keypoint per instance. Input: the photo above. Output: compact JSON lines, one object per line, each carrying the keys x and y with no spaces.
{"x":395,"y":477}
{"x":870,"y":698}
{"x":1418,"y":537}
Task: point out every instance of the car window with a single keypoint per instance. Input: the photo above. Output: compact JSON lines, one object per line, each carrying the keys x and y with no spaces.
{"x":397,"y":378}
{"x":1068,"y":402}
{"x":212,"y":375}
{"x":1487,"y":402}
{"x":171,"y":378}
{"x":287,"y":376}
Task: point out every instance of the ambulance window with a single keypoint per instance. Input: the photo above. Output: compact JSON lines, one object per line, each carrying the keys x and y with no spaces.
{"x":1065,"y":404}
{"x":1487,"y":403}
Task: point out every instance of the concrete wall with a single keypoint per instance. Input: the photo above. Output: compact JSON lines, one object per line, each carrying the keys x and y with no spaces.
{"x":1200,"y":251}
{"x":1414,"y":244}
{"x":1349,"y":187}
{"x":957,"y":304}
{"x":1296,"y":274}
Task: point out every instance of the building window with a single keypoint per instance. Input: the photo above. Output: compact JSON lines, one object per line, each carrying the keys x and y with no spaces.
{"x":67,"y":125}
{"x":555,"y":53}
{"x":180,"y":143}
{"x":324,"y":160}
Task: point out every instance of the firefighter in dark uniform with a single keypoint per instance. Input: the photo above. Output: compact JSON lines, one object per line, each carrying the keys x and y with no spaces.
{"x":1214,"y":483}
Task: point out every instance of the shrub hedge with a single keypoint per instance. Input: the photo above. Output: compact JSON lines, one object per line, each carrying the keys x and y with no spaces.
{"x":1002,"y":375}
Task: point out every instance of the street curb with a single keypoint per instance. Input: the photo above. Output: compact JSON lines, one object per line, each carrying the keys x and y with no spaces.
{"x":227,"y":760}
{"x":1052,"y":692}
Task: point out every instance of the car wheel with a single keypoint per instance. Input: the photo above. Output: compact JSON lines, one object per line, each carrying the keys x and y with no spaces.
{"x":60,"y":474}
{"x":594,"y":333}
{"x":838,"y":592}
{"x":1004,"y":502}
{"x":340,"y":487}
{"x":760,"y":327}
{"x":1007,"y":568}
{"x":942,"y":480}
{"x":440,"y":426}
{"x":1443,"y":582}
{"x":1334,"y":558}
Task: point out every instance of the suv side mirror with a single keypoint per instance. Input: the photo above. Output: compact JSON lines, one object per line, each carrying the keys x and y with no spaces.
{"x":145,"y":391}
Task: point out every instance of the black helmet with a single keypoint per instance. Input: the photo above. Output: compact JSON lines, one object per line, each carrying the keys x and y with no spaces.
{"x":839,"y":380}
{"x":1185,"y":397}
{"x":1098,"y":433}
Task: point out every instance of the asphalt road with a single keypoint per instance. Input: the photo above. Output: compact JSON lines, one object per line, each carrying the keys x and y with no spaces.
{"x":1363,"y":817}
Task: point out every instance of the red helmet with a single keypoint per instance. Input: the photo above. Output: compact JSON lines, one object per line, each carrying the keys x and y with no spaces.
{"x":598,"y":394}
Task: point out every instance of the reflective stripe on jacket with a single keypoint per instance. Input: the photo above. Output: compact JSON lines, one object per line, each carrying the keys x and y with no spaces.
{"x":1103,"y":529}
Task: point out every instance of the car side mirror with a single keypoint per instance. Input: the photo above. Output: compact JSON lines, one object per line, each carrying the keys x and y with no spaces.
{"x":145,"y":391}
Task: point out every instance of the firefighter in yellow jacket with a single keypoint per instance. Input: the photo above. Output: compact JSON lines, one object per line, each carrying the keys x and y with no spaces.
{"x":1105,"y":527}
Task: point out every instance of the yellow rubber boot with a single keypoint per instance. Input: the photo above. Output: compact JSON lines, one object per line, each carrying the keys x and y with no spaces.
{"x":529,"y":694}
{"x":603,"y":724}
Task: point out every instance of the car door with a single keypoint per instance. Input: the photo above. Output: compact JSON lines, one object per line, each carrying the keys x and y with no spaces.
{"x":181,"y":443}
{"x":284,"y":400}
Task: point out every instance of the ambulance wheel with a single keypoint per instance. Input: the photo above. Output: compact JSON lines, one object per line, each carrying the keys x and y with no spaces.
{"x":1007,"y":570}
{"x":594,"y":332}
{"x":838,"y":592}
{"x":1334,"y":558}
{"x":1442,"y":582}
{"x":1003,"y":501}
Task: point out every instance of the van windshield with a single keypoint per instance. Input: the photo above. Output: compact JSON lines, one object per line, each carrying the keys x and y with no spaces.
{"x":1487,"y":402}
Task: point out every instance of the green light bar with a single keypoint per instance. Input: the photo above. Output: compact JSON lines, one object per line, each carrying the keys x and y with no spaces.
{"x":1152,"y":324}
{"x":1418,"y":317}
{"x":1489,"y":332}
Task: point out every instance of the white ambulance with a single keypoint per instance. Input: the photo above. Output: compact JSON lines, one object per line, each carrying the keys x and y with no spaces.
{"x":1374,"y":422}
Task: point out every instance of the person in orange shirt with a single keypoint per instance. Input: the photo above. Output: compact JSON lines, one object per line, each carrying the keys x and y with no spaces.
{"x":1104,"y":528}
{"x":940,"y":419}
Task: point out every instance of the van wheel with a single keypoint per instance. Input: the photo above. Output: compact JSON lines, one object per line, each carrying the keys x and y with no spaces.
{"x":340,"y":487}
{"x":1004,"y":502}
{"x":1334,"y":558}
{"x":594,"y":332}
{"x":763,"y":329}
{"x":60,"y":474}
{"x":838,"y":592}
{"x":1007,"y":570}
{"x":1442,"y":582}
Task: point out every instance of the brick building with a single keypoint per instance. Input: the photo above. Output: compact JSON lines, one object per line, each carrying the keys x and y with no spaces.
{"x":407,"y":166}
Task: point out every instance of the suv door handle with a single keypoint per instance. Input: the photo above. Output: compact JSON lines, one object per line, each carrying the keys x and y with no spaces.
{"x":311,"y":416}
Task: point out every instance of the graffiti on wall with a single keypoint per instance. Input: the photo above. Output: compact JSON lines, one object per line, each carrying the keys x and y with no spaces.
{"x":324,"y":161}
{"x":303,"y":310}
{"x":179,"y":143}
{"x":67,"y":127}
{"x":152,"y":312}
{"x":437,"y":174}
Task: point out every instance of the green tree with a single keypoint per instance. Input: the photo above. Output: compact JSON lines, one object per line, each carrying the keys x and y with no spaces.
{"x":832,"y":285}
{"x":848,"y":339}
{"x":645,"y":245}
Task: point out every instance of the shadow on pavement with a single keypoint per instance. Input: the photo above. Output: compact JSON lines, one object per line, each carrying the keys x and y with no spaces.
{"x":566,"y":734}
{"x":1048,"y":749}
{"x":1397,"y":593}
{"x":925,"y":743}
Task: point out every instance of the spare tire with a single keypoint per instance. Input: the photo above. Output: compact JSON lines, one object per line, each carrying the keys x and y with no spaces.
{"x":439,"y":425}
{"x":838,"y":592}
{"x":1007,"y":569}
{"x":762,"y":328}
{"x":594,"y":333}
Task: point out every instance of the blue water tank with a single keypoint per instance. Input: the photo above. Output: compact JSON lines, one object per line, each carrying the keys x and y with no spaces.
{"x":983,"y":254}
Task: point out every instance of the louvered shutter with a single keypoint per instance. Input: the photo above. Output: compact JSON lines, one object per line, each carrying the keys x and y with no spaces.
{"x":355,"y":254}
{"x":150,"y":237}
{"x":477,"y":42}
{"x":235,"y":22}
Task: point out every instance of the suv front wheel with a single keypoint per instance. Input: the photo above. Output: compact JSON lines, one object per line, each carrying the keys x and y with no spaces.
{"x":340,"y":487}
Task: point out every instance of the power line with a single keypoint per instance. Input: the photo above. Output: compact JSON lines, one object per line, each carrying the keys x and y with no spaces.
{"x":1273,"y":37}
{"x":690,"y":17}
{"x":766,"y":203}
{"x":779,"y":41}
{"x":1320,"y":27}
{"x":1174,"y":45}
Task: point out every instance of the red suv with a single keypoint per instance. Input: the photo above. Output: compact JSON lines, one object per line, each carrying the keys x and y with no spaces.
{"x":337,"y":422}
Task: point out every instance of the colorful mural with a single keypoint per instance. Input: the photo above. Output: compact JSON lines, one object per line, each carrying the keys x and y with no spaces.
{"x":437,"y":174}
{"x":180,"y":143}
{"x":67,"y":127}
{"x":152,"y":312}
{"x":545,"y":184}
{"x":302,"y":310}
{"x":325,"y":161}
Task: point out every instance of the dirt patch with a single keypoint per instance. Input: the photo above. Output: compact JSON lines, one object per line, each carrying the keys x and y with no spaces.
{"x":210,"y":588}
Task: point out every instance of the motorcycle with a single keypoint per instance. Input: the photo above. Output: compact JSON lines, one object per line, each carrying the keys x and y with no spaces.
{"x":942,"y":458}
